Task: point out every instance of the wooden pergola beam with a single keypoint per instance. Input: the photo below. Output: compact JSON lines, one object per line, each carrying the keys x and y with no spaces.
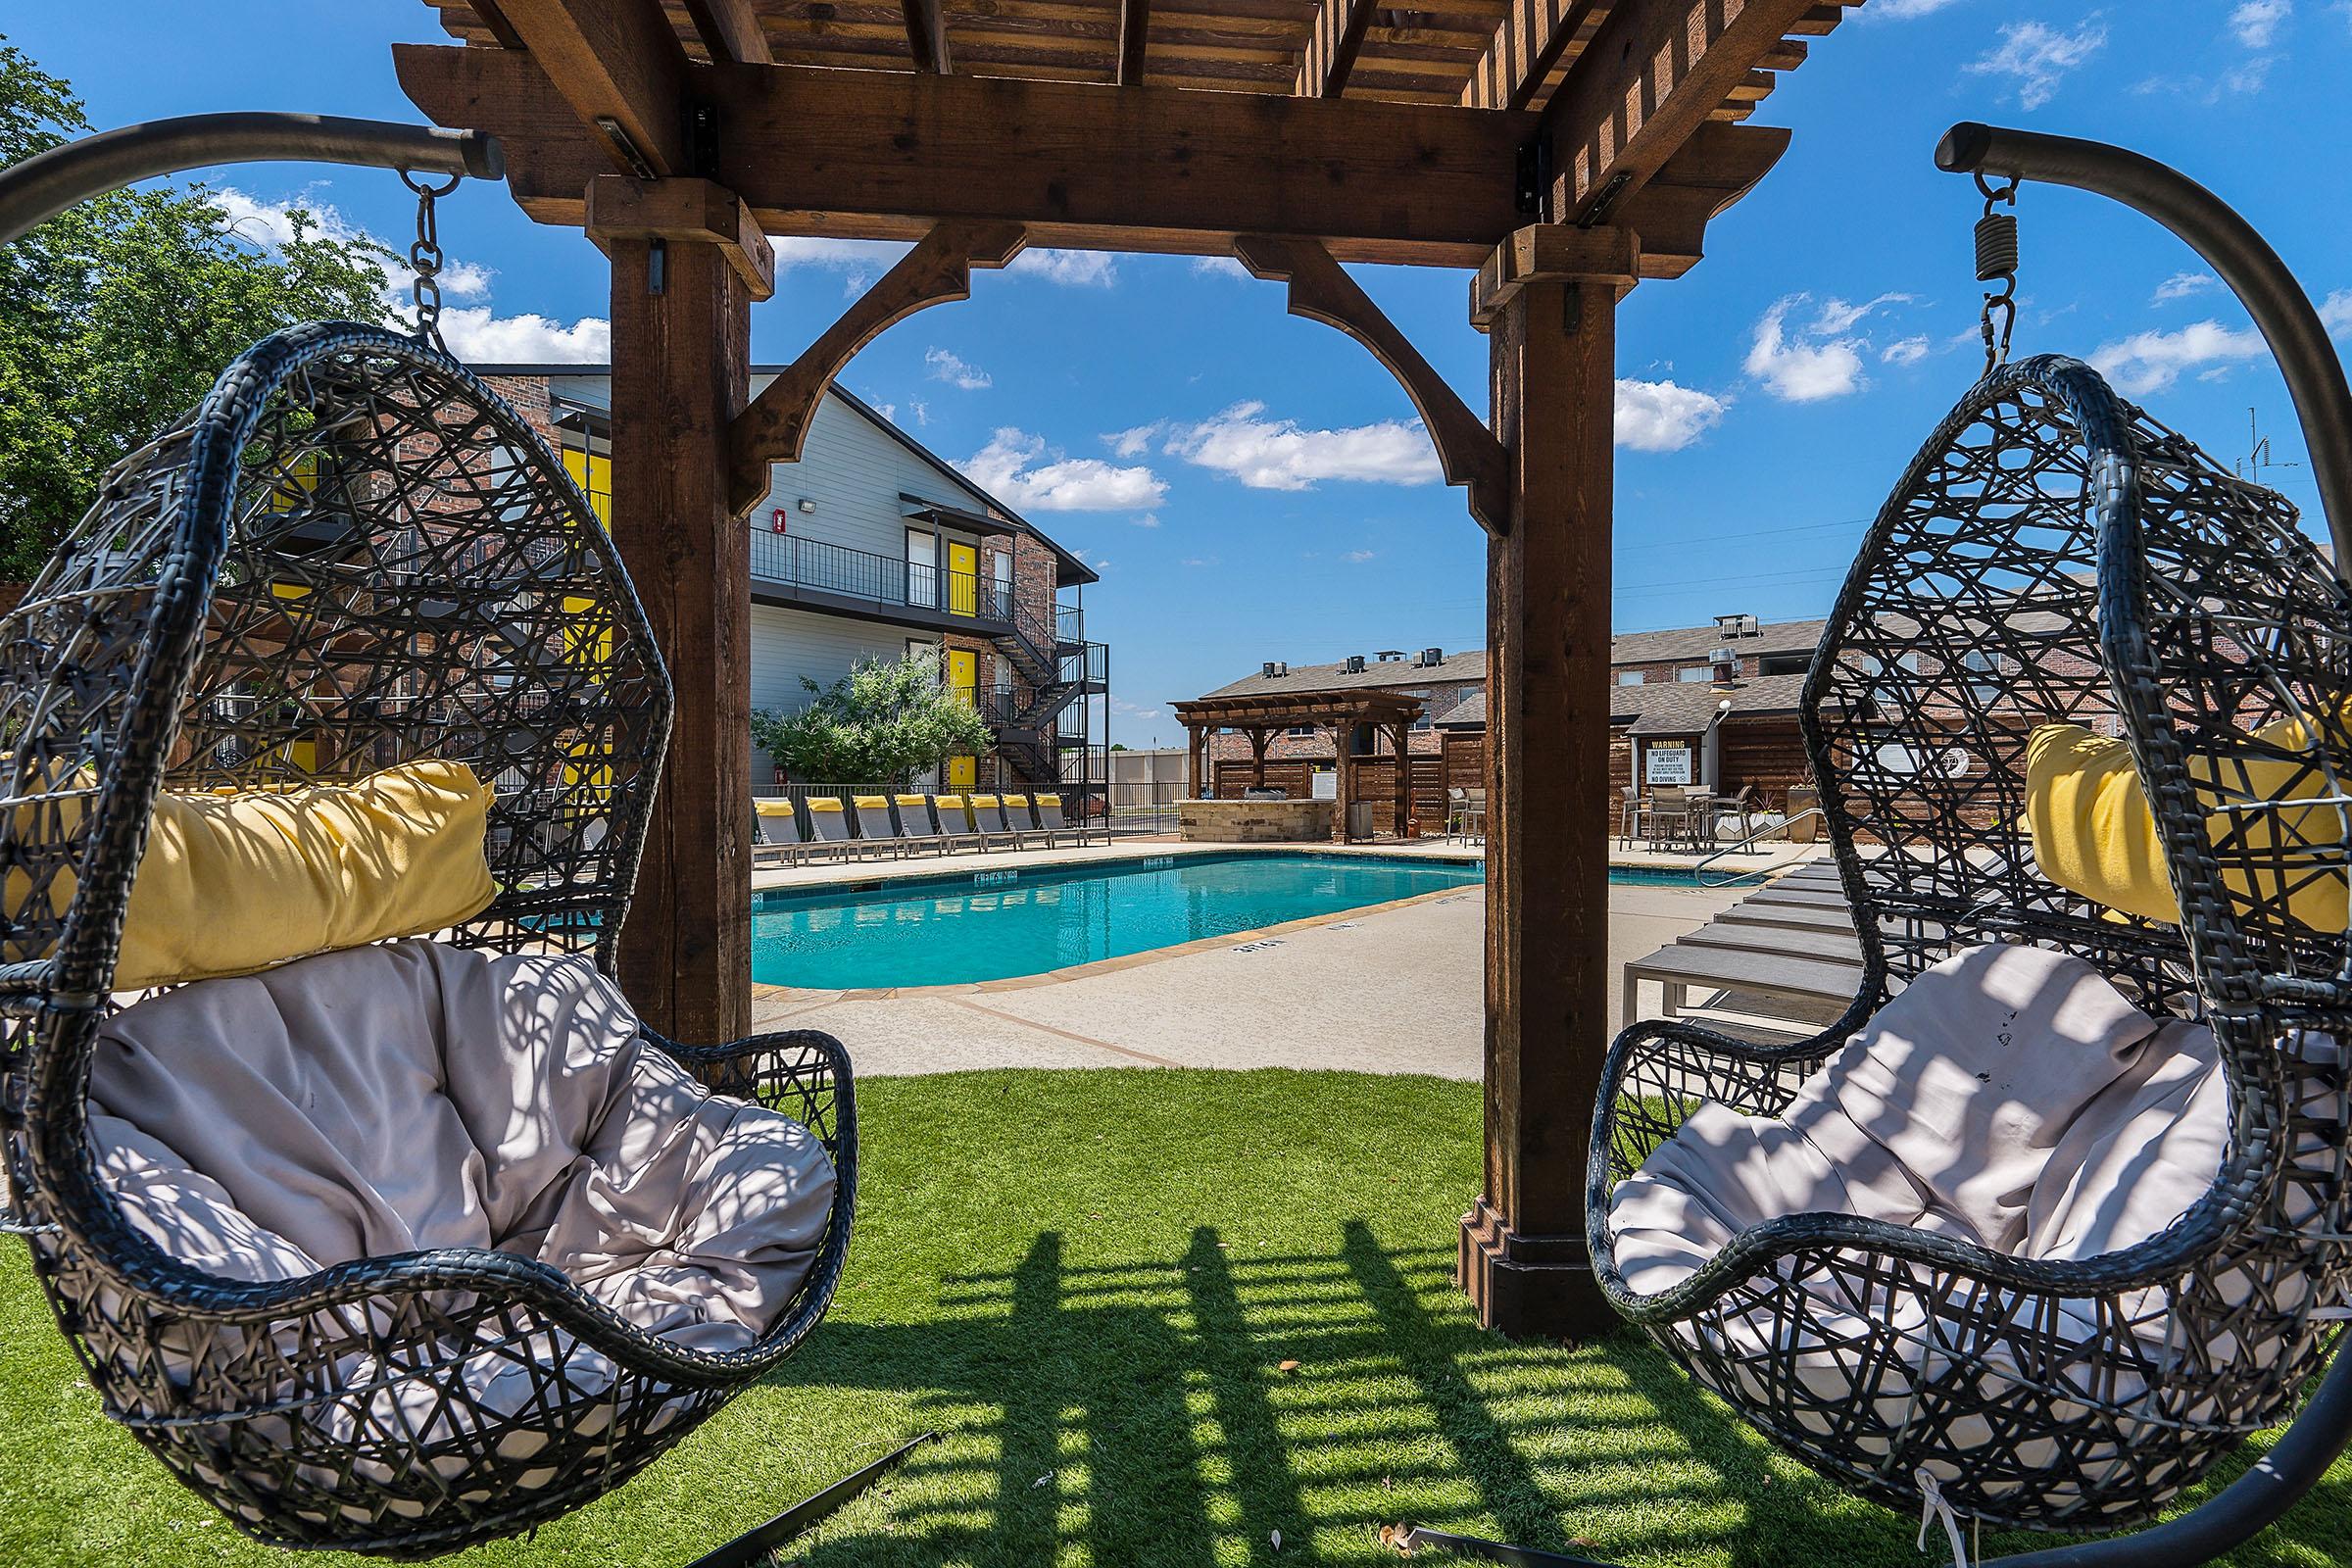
{"x":1135,"y":27}
{"x":1529,"y":42}
{"x":618,"y":65}
{"x":730,"y":29}
{"x":884,"y":155}
{"x":1611,"y":130}
{"x":927,"y":36}
{"x":689,"y":209}
{"x":1337,"y":38}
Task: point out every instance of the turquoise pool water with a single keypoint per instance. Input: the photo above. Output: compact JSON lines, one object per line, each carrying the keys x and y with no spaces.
{"x":991,"y":926}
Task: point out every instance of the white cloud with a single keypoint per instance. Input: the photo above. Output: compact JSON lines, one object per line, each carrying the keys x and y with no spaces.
{"x":475,"y":336}
{"x":1900,"y":9}
{"x":1131,"y":442}
{"x":1839,"y":317}
{"x":1358,"y":556}
{"x":1796,"y":370}
{"x":1222,"y":266}
{"x":2256,"y":22}
{"x":868,"y":257}
{"x":2038,"y":56}
{"x":473,"y":332}
{"x":2335,"y":312}
{"x":1072,"y":268}
{"x":1662,"y":416}
{"x":1149,"y":519}
{"x":957,"y":371}
{"x":1905,"y":350}
{"x":1281,"y":455}
{"x":2149,"y":361}
{"x":1008,"y":469}
{"x":921,"y":409}
{"x":2181,"y":285}
{"x":1197,"y":560}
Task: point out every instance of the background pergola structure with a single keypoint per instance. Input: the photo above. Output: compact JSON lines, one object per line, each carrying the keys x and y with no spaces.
{"x":1565,"y":149}
{"x":1392,"y":713}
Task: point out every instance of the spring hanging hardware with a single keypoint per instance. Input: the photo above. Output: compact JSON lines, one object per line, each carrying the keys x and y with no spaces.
{"x":426,"y":257}
{"x":1996,"y":263}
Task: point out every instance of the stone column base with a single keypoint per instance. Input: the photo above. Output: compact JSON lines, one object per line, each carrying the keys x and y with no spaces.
{"x":1530,"y":1287}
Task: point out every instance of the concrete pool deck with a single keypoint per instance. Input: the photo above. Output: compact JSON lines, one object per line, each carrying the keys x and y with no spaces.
{"x":1395,"y":987}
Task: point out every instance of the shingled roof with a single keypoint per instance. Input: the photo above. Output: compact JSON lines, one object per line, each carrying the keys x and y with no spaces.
{"x":1456,"y":669}
{"x":1697,"y":641}
{"x":1683,"y":706}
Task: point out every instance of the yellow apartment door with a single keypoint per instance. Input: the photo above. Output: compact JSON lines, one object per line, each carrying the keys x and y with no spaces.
{"x":963,"y":680}
{"x":964,"y":581}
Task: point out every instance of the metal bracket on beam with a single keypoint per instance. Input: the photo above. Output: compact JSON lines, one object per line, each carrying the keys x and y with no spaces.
{"x":1531,"y":188}
{"x":627,"y":150}
{"x":1542,"y":251}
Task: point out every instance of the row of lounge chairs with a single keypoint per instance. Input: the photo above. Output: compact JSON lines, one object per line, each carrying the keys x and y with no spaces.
{"x":825,"y":826}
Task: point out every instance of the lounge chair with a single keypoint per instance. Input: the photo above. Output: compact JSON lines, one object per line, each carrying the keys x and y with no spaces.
{"x":828,"y":826}
{"x":877,"y":829}
{"x":780,"y":833}
{"x":916,"y":828}
{"x":956,"y":826}
{"x":1050,"y":819}
{"x":988,"y":812}
{"x":1022,"y":814}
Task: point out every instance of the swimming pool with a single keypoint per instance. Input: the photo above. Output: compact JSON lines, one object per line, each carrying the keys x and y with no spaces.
{"x":991,"y":926}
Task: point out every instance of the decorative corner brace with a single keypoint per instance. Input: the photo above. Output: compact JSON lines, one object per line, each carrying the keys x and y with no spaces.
{"x":775,"y":426}
{"x":1321,"y":290}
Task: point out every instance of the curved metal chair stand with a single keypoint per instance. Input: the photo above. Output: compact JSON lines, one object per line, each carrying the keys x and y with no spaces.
{"x":352,"y":553}
{"x":2107,"y":567}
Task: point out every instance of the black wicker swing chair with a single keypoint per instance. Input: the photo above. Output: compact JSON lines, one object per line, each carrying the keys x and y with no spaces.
{"x":352,"y":555}
{"x":2052,"y":555}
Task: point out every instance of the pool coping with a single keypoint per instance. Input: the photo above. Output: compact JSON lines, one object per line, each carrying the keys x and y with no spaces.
{"x":901,"y":869}
{"x":765,"y":990}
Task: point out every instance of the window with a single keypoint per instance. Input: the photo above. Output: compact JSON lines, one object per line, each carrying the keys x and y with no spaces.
{"x":1697,"y":672}
{"x":1975,"y":659}
{"x":1301,"y":731}
{"x":586,"y":438}
{"x":1629,"y":677}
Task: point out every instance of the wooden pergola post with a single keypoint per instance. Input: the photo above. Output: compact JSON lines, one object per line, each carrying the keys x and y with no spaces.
{"x":1547,"y":301}
{"x":1404,"y":778}
{"x":681,"y":371}
{"x":1259,"y":739}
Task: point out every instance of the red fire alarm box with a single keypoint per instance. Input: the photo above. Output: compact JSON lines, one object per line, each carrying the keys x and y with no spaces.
{"x":777,"y":522}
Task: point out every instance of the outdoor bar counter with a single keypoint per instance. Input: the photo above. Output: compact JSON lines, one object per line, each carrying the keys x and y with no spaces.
{"x":1255,"y":822}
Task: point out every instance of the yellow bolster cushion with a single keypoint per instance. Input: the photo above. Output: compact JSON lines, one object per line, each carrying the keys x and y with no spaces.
{"x":984,"y":801}
{"x":870,"y":801}
{"x":1049,"y":800}
{"x":237,"y":883}
{"x":772,"y":807}
{"x":2093,"y":832}
{"x":910,"y":799}
{"x":1017,"y":799}
{"x":824,"y":803}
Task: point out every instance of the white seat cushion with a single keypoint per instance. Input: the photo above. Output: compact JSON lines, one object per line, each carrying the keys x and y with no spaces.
{"x":411,"y":1096}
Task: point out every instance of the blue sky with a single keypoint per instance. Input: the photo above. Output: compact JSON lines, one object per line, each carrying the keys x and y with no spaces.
{"x":1252,"y":487}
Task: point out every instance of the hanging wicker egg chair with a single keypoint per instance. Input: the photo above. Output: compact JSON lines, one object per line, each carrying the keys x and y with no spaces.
{"x":352,"y":555}
{"x":2052,"y":556}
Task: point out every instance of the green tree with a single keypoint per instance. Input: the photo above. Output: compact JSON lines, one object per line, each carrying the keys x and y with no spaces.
{"x":116,"y":315}
{"x":876,"y":727}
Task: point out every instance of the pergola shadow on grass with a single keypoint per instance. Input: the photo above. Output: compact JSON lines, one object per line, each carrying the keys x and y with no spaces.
{"x":1088,"y":1283}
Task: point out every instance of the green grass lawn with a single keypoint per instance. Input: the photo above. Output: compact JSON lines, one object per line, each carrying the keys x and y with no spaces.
{"x":1088,"y":1282}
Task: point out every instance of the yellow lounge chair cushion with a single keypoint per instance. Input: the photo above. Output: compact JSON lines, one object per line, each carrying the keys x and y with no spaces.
{"x":866,"y":801}
{"x":909,"y":799}
{"x":2093,"y":833}
{"x":235,"y":883}
{"x":772,"y":807}
{"x":824,"y":803}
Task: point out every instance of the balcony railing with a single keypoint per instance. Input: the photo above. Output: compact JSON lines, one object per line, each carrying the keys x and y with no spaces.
{"x":877,"y":580}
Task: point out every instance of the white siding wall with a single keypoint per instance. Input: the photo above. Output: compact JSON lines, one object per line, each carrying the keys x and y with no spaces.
{"x":855,"y":473}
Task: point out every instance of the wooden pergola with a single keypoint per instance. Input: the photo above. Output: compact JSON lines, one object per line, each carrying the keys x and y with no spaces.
{"x":1390,"y":714}
{"x":1563,"y":149}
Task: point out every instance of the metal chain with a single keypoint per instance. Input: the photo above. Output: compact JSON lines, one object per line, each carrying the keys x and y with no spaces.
{"x":426,"y":257}
{"x":1996,"y":263}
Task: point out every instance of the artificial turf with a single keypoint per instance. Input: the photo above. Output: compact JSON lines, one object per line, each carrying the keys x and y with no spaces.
{"x":1090,"y":1282}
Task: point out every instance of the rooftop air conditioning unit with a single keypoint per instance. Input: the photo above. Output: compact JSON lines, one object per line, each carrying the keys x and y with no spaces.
{"x":1282,"y":667}
{"x":1355,"y":663}
{"x":1265,"y":671}
{"x":1432,"y":657}
{"x":1725,"y":666}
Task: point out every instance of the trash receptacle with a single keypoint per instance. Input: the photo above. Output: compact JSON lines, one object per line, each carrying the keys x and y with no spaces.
{"x":1359,"y":820}
{"x":1802,"y":798}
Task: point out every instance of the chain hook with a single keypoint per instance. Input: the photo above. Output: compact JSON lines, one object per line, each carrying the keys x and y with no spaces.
{"x":1996,"y":263}
{"x":426,"y":257}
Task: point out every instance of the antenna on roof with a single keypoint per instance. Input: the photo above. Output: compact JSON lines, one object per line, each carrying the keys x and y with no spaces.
{"x":2258,"y":454}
